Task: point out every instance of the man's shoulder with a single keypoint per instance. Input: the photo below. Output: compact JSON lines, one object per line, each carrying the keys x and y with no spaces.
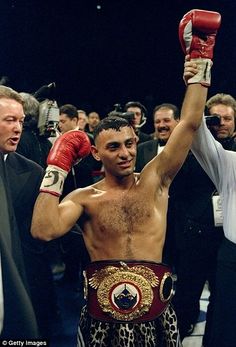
{"x":25,"y":163}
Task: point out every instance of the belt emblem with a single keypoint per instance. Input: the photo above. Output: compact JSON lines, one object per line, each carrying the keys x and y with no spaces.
{"x":124,"y":292}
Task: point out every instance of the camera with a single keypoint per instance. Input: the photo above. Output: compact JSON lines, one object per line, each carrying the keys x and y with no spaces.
{"x":129,"y":116}
{"x":48,"y":110}
{"x":212,"y":120}
{"x":48,"y":118}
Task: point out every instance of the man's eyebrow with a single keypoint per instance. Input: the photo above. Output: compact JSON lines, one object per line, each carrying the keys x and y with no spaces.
{"x":112,"y":143}
{"x":117,"y":143}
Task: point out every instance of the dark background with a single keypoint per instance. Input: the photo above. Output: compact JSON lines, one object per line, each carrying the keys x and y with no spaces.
{"x":98,"y":56}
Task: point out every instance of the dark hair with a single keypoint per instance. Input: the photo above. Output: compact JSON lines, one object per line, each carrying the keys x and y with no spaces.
{"x":111,"y":122}
{"x":69,"y":110}
{"x":169,"y":107}
{"x":136,"y":104}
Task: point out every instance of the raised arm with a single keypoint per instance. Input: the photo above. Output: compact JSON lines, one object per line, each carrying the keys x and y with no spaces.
{"x":197,"y":32}
{"x":51,"y":219}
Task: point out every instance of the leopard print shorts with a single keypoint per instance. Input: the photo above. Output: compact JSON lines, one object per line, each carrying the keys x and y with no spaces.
{"x":162,"y":332}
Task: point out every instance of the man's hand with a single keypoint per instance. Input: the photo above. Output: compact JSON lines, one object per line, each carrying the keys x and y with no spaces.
{"x":190,"y":69}
{"x":66,"y":151}
{"x":197,"y":33}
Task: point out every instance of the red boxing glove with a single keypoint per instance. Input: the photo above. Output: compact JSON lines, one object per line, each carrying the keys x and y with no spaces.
{"x":66,"y":151}
{"x":68,"y":148}
{"x":197,"y":33}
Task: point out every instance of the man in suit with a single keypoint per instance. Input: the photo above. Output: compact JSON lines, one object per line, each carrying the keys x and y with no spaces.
{"x":17,"y":319}
{"x":23,"y":178}
{"x":165,"y":117}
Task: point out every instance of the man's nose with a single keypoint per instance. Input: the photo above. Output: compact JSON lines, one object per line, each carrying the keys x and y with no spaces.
{"x":18,"y":127}
{"x":124,"y":152}
{"x":222,"y":121}
{"x":161,"y":125}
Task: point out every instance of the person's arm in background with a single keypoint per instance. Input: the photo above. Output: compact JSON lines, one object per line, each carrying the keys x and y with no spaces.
{"x":209,"y":153}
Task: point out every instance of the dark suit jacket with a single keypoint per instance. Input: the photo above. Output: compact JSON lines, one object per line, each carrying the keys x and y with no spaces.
{"x":24,"y":177}
{"x":143,"y":137}
{"x":145,"y":152}
{"x":19,"y":318}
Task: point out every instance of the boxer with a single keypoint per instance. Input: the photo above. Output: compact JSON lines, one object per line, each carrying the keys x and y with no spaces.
{"x":123,"y":216}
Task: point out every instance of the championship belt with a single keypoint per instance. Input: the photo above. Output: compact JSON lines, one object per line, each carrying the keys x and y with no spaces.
{"x":123,"y":291}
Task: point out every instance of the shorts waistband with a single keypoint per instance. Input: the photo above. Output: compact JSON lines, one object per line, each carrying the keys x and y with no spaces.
{"x":127,"y":290}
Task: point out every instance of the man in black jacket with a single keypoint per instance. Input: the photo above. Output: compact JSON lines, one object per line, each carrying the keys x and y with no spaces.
{"x":23,"y":178}
{"x":17,"y":316}
{"x":165,"y":118}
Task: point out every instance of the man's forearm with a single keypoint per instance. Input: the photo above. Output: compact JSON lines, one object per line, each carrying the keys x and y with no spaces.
{"x":45,"y":221}
{"x":194,"y":105}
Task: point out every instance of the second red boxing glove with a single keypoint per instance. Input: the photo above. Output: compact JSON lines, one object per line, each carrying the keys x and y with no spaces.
{"x":197,"y":33}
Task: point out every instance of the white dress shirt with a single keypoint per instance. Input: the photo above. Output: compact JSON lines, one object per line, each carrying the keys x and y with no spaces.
{"x":220,"y":165}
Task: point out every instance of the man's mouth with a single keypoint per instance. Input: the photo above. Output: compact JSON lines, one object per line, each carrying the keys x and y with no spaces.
{"x":222,"y":131}
{"x":14,"y":140}
{"x":163,"y":131}
{"x":125,"y":164}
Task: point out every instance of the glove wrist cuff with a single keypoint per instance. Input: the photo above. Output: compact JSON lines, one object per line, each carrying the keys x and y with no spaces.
{"x":53,"y":180}
{"x":204,"y":72}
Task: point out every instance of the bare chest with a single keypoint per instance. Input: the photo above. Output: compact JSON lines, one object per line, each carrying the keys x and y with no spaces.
{"x":122,"y":214}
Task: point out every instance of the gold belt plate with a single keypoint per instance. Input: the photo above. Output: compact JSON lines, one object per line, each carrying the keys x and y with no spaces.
{"x":124,"y":292}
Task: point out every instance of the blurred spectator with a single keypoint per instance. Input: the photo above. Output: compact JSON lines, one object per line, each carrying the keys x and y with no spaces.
{"x":32,"y":145}
{"x":93,"y":120}
{"x":68,"y":118}
{"x":166,"y":117}
{"x":165,"y":111}
{"x":82,"y":119}
{"x":140,"y":117}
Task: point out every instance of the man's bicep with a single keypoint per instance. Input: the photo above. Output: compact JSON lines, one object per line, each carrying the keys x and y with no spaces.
{"x":152,"y":174}
{"x":176,"y":150}
{"x":69,"y":212}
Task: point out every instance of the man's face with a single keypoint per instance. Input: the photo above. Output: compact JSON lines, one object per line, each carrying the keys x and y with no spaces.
{"x":227,"y":121}
{"x":93,"y":119}
{"x":82,"y":121}
{"x":117,"y":151}
{"x":66,"y":124}
{"x":137,"y":114}
{"x":164,"y":123}
{"x":11,"y":124}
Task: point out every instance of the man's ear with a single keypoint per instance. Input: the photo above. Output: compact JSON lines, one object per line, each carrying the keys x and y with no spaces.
{"x":94,"y":152}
